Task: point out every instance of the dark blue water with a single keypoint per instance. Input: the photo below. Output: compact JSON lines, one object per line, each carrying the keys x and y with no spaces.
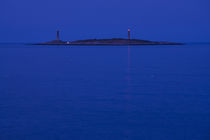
{"x":104,"y":93}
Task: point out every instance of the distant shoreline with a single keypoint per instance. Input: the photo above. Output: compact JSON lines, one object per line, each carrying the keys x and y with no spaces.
{"x":113,"y":41}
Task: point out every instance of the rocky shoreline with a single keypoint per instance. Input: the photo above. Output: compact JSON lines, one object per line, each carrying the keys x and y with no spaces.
{"x":114,"y":41}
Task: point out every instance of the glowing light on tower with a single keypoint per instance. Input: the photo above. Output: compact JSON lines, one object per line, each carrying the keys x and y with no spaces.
{"x":129,"y":34}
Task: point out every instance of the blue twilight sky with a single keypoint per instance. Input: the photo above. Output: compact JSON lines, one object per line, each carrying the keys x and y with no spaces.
{"x":165,"y":20}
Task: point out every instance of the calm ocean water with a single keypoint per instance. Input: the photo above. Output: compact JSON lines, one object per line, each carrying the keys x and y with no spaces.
{"x":104,"y":92}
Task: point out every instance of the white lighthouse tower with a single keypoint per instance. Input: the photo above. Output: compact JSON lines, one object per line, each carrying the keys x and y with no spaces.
{"x":129,"y":34}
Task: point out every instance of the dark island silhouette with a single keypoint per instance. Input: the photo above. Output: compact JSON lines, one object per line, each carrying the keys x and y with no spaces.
{"x":113,"y":41}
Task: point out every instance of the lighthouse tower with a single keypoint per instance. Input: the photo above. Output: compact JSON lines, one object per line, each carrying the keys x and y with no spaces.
{"x":58,"y":35}
{"x":129,"y":34}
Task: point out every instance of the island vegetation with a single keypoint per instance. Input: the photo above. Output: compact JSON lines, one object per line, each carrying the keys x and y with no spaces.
{"x":113,"y":41}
